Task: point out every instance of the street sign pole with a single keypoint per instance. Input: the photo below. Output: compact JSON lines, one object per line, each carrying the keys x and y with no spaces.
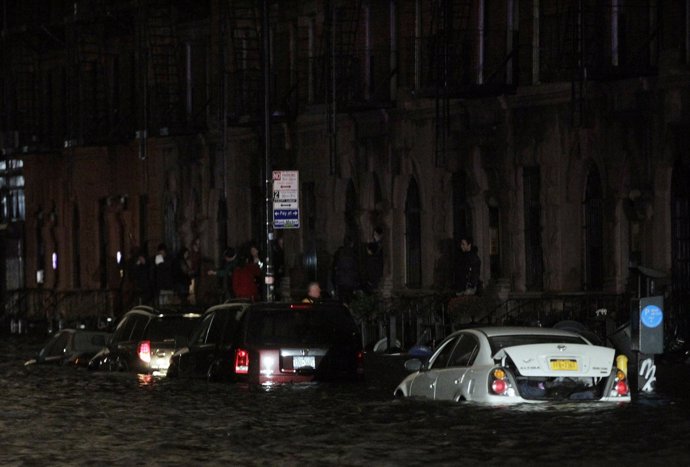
{"x":267,"y":151}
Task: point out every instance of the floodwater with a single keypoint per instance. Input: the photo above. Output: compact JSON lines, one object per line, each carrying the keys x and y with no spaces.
{"x":64,"y":416}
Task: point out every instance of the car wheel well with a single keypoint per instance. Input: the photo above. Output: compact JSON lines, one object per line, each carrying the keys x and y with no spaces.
{"x":399,"y":394}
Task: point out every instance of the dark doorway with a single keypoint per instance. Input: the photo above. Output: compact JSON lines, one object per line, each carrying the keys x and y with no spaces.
{"x":534,"y":256}
{"x":413,"y":236}
{"x":593,"y":232}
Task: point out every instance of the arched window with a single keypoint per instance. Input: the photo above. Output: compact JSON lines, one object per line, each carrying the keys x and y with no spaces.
{"x":413,"y":236}
{"x":593,"y":232}
{"x":680,"y":249}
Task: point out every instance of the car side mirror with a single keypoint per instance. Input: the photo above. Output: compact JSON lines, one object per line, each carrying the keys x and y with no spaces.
{"x":413,"y":364}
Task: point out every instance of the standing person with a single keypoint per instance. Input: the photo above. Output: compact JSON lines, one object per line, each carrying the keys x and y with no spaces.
{"x":244,"y":280}
{"x":162,"y":275}
{"x":195,"y":259}
{"x":225,"y":271}
{"x":373,"y":263}
{"x":139,"y":275}
{"x":182,"y":275}
{"x":313,"y":293}
{"x":469,"y":268}
{"x":345,"y":271}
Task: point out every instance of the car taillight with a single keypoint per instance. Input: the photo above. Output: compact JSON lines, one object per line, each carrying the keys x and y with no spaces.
{"x":144,"y":351}
{"x":498,"y":382}
{"x":360,"y":362}
{"x":241,"y":361}
{"x":622,"y":388}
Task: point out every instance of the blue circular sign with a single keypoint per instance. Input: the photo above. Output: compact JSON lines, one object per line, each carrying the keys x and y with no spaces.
{"x":651,"y":316}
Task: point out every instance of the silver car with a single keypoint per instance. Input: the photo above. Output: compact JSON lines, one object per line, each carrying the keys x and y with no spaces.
{"x":503,"y":365}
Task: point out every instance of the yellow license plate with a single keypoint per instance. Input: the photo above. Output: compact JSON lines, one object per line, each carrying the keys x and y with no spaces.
{"x":563,"y":365}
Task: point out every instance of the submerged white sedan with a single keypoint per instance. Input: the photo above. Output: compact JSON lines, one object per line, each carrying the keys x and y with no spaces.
{"x":503,"y":365}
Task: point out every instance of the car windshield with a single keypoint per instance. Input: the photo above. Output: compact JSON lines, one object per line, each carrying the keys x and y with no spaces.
{"x":169,"y":327}
{"x":499,"y":342}
{"x":299,"y":327}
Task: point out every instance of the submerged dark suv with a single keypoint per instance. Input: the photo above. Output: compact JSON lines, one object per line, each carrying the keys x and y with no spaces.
{"x":273,"y":343}
{"x":144,"y":340}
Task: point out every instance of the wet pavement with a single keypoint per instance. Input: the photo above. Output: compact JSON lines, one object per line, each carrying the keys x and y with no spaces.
{"x":65,"y":416}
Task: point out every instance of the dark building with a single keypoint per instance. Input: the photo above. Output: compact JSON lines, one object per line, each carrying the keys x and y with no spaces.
{"x":553,"y":132}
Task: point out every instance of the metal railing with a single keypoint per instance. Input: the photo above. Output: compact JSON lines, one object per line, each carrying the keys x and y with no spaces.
{"x":407,"y":318}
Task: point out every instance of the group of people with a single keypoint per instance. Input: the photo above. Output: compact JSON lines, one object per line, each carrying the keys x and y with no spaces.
{"x":166,"y":279}
{"x":240,"y":273}
{"x":163,"y":279}
{"x":348,"y":274}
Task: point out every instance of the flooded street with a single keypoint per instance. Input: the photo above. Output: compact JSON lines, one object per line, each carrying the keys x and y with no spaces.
{"x":62,"y":416}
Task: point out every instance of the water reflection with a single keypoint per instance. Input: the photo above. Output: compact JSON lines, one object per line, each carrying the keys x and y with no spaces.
{"x":67,"y":416}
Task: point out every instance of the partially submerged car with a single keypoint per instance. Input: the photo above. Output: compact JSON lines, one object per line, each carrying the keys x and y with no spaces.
{"x":70,"y":347}
{"x":273,"y":343}
{"x":503,"y":365}
{"x":144,"y":339}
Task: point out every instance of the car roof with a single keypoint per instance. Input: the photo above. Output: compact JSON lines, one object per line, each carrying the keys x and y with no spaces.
{"x":228,"y":306}
{"x":161,"y":312}
{"x":495,"y":331}
{"x":298,"y":306}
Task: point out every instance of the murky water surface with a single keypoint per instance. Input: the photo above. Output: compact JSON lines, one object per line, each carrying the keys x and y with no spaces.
{"x":61,"y":416}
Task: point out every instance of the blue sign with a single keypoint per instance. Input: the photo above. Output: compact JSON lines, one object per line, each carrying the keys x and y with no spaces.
{"x":651,"y":316}
{"x":286,"y":218}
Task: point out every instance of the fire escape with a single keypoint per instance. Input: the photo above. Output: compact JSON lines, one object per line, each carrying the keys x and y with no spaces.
{"x":86,"y":79}
{"x":449,"y":29}
{"x":339,"y":65}
{"x":458,"y":62}
{"x":159,"y":61}
{"x":243,"y":72}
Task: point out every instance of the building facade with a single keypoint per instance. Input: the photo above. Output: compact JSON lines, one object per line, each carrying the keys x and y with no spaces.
{"x":554,"y":133}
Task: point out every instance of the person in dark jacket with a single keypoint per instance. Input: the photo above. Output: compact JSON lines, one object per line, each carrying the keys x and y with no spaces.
{"x":139,"y":275}
{"x":469,"y":268}
{"x":162,"y":275}
{"x":345,"y":271}
{"x":182,"y":275}
{"x":373,"y":263}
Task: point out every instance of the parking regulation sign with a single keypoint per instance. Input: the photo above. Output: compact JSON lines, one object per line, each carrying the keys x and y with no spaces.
{"x":286,"y":199}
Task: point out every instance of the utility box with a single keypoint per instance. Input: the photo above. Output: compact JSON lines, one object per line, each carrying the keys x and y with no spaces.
{"x":650,"y":325}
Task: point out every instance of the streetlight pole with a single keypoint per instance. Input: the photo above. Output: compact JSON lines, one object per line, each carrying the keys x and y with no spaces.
{"x":266,"y":59}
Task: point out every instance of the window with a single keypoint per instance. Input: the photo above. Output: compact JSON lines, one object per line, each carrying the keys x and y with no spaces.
{"x":124,"y":329}
{"x":465,"y":351}
{"x":199,"y":336}
{"x":12,"y":207}
{"x":441,"y":360}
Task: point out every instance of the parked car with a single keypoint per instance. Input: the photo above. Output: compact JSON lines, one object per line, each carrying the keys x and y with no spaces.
{"x":502,"y":365}
{"x":70,"y":347}
{"x":273,"y":343}
{"x":144,"y":339}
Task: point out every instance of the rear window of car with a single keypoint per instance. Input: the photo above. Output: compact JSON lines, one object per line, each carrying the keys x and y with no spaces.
{"x":500,"y":342}
{"x":300,"y":327}
{"x":168,"y":327}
